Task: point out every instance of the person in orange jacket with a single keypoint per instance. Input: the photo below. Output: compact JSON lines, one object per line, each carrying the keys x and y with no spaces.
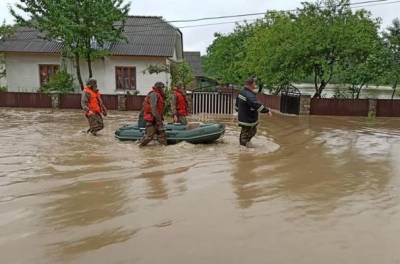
{"x":179,"y":104}
{"x":93,"y":106}
{"x":153,"y":115}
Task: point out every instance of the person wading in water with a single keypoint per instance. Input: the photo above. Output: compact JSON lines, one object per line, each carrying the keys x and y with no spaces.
{"x":93,"y":106}
{"x":248,"y":109}
{"x":153,"y":115}
{"x":179,"y":104}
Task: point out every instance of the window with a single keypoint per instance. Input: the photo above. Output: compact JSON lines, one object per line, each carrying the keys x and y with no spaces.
{"x":46,"y":71}
{"x":125,"y":78}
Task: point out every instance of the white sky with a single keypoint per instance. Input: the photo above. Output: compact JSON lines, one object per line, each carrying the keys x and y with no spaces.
{"x":197,"y":39}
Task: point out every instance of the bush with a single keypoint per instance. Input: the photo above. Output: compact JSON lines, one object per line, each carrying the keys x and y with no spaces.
{"x":3,"y":89}
{"x":61,"y":82}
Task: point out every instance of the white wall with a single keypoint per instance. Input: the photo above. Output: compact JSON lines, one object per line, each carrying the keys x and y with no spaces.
{"x":23,"y":70}
{"x":104,"y":72}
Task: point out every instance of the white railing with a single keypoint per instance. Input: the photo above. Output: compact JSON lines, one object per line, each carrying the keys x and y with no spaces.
{"x":212,"y":103}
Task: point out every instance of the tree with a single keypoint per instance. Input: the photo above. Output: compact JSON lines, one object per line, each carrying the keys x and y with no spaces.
{"x":225,"y":56}
{"x":392,"y":40}
{"x":61,"y":82}
{"x":272,"y":51}
{"x":77,"y":23}
{"x":360,"y":73}
{"x":329,"y":32}
{"x":180,"y":72}
{"x":289,"y":47}
{"x":5,"y":31}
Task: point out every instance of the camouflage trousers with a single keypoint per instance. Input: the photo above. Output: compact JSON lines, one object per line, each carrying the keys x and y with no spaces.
{"x":182,"y":120}
{"x":247,"y":133}
{"x":95,"y":123}
{"x":152,"y":130}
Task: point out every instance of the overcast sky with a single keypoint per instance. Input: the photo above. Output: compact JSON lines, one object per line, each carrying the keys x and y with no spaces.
{"x":197,"y":39}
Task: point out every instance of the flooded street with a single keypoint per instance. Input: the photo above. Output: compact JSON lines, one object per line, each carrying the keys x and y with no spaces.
{"x":314,"y":190}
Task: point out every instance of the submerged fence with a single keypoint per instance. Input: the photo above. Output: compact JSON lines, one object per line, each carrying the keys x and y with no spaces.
{"x":213,"y":103}
{"x":210,"y":103}
{"x":67,"y":101}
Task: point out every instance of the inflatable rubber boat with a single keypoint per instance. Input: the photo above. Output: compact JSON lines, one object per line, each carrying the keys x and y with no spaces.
{"x":195,"y":133}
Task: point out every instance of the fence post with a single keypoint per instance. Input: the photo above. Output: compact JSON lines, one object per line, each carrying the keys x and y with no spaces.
{"x":305,"y":105}
{"x":121,"y":102}
{"x":55,"y":100}
{"x":372,"y":108}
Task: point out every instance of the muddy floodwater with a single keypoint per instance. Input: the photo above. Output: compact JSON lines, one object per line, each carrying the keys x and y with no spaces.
{"x":313,"y":190}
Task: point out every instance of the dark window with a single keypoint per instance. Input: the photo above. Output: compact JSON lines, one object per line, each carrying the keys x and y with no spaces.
{"x":125,"y":78}
{"x":46,"y":71}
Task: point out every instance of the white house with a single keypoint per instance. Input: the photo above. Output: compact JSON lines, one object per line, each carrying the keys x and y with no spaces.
{"x":30,"y":59}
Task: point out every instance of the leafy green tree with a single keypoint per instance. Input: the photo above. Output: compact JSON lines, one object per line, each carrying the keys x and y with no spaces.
{"x":225,"y":56}
{"x":329,"y":32}
{"x":392,"y":39}
{"x":180,"y":72}
{"x":272,"y":51}
{"x":371,"y":69}
{"x":5,"y":31}
{"x":77,"y":23}
{"x":61,"y":82}
{"x":290,"y":47}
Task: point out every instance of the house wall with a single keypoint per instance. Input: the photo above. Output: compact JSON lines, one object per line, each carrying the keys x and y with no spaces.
{"x":104,"y":72}
{"x":23,"y":71}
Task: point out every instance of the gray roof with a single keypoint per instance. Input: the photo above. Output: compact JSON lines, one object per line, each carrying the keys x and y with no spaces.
{"x":146,"y":36}
{"x":193,"y":58}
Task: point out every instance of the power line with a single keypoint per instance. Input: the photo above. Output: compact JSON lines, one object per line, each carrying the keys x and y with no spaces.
{"x":354,"y":5}
{"x":377,"y":4}
{"x":259,"y":13}
{"x":164,"y":24}
{"x":221,"y":23}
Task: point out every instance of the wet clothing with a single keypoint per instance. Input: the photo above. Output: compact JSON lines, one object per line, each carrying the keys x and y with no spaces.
{"x":141,"y":121}
{"x":91,"y":101}
{"x":247,"y":133}
{"x":153,"y":115}
{"x":179,"y":106}
{"x":248,"y":109}
{"x":153,"y":106}
{"x":93,"y":106}
{"x":95,"y":123}
{"x":151,"y":131}
{"x":182,"y":120}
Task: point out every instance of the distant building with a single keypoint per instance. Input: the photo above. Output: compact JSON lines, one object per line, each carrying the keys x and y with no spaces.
{"x":30,"y":60}
{"x":201,"y":82}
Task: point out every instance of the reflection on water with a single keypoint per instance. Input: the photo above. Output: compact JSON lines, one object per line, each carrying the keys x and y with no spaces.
{"x":313,"y":190}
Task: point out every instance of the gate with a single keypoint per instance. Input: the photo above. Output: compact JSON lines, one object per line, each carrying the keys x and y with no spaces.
{"x":290,"y":100}
{"x":212,"y":103}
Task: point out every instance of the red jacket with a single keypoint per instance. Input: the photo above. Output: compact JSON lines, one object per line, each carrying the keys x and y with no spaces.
{"x":181,"y":103}
{"x":148,"y":107}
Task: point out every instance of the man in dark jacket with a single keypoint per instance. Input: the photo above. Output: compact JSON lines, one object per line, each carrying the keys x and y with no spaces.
{"x":248,"y":109}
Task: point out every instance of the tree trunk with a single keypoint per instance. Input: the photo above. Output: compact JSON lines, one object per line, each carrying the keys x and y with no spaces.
{"x":89,"y":59}
{"x":359,"y":91}
{"x":78,"y":70}
{"x":320,"y":89}
{"x":89,"y":62}
{"x":394,"y":89}
{"x":316,"y":83}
